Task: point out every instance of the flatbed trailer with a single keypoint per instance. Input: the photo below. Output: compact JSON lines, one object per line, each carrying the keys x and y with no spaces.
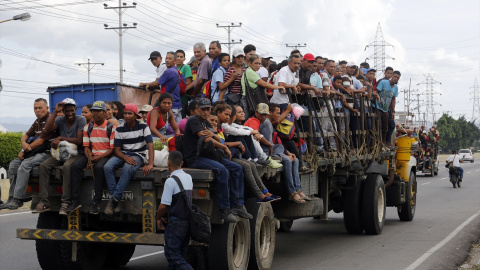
{"x":359,"y":182}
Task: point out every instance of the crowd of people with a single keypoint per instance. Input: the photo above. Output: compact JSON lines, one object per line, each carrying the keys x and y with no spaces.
{"x":233,"y":113}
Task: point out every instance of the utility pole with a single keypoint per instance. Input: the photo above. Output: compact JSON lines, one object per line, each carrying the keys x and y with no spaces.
{"x":296,"y":46}
{"x":87,"y":66}
{"x":476,"y":101}
{"x":230,"y":42}
{"x":379,"y":55}
{"x":429,"y":93}
{"x":122,"y":28}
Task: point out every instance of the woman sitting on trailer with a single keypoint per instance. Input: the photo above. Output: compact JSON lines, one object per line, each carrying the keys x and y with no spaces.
{"x":110,"y":118}
{"x":159,"y":118}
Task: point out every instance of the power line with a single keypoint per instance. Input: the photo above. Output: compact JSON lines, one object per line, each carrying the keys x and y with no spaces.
{"x":296,"y":46}
{"x":429,"y":93}
{"x":89,"y":66}
{"x":476,"y":101}
{"x":379,"y":55}
{"x":230,"y":42}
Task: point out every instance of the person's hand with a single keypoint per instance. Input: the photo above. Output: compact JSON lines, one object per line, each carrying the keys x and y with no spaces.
{"x":141,"y":85}
{"x":298,"y":89}
{"x":207,"y":133}
{"x":59,"y":107}
{"x":281,"y":90}
{"x":20,"y":155}
{"x":147,"y":86}
{"x":160,"y":222}
{"x":177,"y":132}
{"x":242,"y":148}
{"x":55,"y":143}
{"x":146,"y":169}
{"x":350,"y":91}
{"x":257,"y":136}
{"x":393,"y":116}
{"x":235,"y":74}
{"x":25,"y":146}
{"x":163,"y":139}
{"x":89,"y":165}
{"x":130,"y":160}
{"x":229,"y":154}
{"x":254,"y":132}
{"x":355,"y":111}
{"x":289,"y":107}
{"x":291,"y":157}
{"x":96,"y":158}
{"x":271,"y":149}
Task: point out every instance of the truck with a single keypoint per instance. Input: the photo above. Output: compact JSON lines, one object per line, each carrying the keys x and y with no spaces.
{"x":359,"y":181}
{"x":419,"y":154}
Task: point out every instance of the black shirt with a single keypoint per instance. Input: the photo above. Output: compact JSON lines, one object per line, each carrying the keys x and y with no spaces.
{"x":190,"y":139}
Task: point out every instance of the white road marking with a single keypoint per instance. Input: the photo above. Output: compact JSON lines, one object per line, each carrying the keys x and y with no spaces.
{"x":443,"y":178}
{"x":427,"y":254}
{"x":17,"y":213}
{"x":477,"y":170}
{"x":426,"y":183}
{"x":468,"y":172}
{"x":146,"y":255}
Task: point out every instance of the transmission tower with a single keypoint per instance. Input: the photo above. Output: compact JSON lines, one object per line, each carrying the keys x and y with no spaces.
{"x":121,"y":29}
{"x":476,"y":101}
{"x":379,"y":55}
{"x":230,"y":42}
{"x":429,"y":93}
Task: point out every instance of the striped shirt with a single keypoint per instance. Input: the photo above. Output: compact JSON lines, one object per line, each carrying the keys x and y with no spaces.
{"x":133,"y":141}
{"x":100,"y":142}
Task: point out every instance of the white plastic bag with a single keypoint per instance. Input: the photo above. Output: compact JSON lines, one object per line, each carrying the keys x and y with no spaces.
{"x":161,"y":157}
{"x":64,"y":151}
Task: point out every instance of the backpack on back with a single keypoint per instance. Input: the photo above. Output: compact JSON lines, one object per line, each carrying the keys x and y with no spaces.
{"x":286,"y":128}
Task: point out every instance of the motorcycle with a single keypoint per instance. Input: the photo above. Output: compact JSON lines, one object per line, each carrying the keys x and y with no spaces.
{"x":454,"y":176}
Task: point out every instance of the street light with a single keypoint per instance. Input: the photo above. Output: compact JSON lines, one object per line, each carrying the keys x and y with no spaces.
{"x":21,"y":17}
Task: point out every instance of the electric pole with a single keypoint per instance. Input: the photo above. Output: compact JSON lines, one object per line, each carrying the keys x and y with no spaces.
{"x":296,"y":46}
{"x":379,"y":55}
{"x":476,"y":101}
{"x":429,"y":93}
{"x":230,"y":42}
{"x":89,"y":66}
{"x":122,"y":28}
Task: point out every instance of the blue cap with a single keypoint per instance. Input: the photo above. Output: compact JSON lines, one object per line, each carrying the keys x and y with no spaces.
{"x":99,"y":105}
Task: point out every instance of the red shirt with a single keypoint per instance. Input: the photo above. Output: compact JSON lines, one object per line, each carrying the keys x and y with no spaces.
{"x":100,"y":142}
{"x":253,"y":122}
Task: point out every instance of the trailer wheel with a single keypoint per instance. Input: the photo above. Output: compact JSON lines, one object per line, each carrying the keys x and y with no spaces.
{"x":262,"y":231}
{"x":373,"y":204}
{"x":230,"y":246}
{"x":285,"y":226}
{"x":48,"y":252}
{"x":406,"y":211}
{"x":118,"y":255}
{"x":352,"y":209}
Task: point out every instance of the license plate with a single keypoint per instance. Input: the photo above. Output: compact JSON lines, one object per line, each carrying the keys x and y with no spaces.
{"x":126,"y":196}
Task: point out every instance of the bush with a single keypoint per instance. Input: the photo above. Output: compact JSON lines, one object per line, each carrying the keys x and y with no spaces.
{"x":10,"y":146}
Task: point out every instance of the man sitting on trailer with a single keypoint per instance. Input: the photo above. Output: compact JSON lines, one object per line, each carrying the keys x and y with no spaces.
{"x":70,"y":128}
{"x":35,"y":150}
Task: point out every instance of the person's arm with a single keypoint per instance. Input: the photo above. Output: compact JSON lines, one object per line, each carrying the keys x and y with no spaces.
{"x":283,"y":115}
{"x":118,"y":152}
{"x":198,"y":86}
{"x":392,"y":104}
{"x":37,"y":143}
{"x":151,"y":156}
{"x":346,"y":105}
{"x":25,"y":145}
{"x":267,"y":85}
{"x":50,"y":125}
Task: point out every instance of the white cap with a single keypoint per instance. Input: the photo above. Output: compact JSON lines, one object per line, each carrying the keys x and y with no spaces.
{"x":237,"y":52}
{"x":351,"y":64}
{"x":265,"y":55}
{"x":69,"y":101}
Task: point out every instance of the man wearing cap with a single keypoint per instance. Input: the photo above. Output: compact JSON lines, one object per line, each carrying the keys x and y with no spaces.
{"x":144,"y":112}
{"x":263,"y":71}
{"x":70,"y":129}
{"x":131,"y":142}
{"x":35,"y":150}
{"x":156,"y":59}
{"x":229,"y":182}
{"x":204,"y":68}
{"x":98,"y":138}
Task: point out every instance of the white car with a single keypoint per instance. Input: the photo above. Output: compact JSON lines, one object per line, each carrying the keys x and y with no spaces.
{"x":466,"y":155}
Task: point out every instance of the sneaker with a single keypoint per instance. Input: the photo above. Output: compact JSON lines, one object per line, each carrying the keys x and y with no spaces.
{"x":41,"y":207}
{"x":63,"y":209}
{"x":262,"y":162}
{"x":273,"y":164}
{"x":95,"y":208}
{"x":303,"y":168}
{"x":119,"y":208}
{"x":112,"y":204}
{"x":241,"y":212}
{"x":13,"y":204}
{"x":227,"y":216}
{"x":74,"y":206}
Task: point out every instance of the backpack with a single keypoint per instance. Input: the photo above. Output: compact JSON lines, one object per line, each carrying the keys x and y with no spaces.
{"x":198,"y":222}
{"x":181,"y":80}
{"x":286,"y":128}
{"x":175,"y":143}
{"x":206,"y":89}
{"x":90,"y":129}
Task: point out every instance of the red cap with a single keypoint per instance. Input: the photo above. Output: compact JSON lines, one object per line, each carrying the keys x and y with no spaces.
{"x":133,"y":108}
{"x":309,"y":57}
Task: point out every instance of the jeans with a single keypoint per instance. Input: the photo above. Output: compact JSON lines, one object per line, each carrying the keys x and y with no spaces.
{"x":128,"y":170}
{"x":99,"y":177}
{"x":229,"y":193}
{"x":19,"y":182}
{"x":292,"y":178}
{"x":247,"y":141}
{"x":176,"y":244}
{"x":460,"y":170}
{"x":391,"y":126}
{"x":44,"y":179}
{"x":178,"y":114}
{"x":252,"y":179}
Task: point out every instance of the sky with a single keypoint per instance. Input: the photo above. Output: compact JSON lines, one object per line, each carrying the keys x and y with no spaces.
{"x":440,"y":37}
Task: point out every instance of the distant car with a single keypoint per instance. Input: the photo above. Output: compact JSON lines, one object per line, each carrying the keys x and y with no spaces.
{"x":466,"y":155}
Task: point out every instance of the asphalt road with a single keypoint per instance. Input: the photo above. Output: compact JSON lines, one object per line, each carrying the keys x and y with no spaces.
{"x":446,"y":222}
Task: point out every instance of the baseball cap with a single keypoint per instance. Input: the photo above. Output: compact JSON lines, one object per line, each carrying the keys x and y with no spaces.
{"x":237,"y":52}
{"x":204,"y":103}
{"x":69,"y":101}
{"x":262,"y":108}
{"x":309,"y":57}
{"x":351,"y":64}
{"x":146,"y":108}
{"x":266,"y":55}
{"x":370,"y":69}
{"x":133,"y":108}
{"x":192,"y":59}
{"x":154,"y":55}
{"x":99,"y":105}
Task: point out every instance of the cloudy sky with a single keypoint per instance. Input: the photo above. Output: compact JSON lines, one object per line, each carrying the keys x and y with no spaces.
{"x":440,"y":37}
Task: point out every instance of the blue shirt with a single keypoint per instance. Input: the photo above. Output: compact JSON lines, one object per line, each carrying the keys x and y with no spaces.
{"x":386,"y":93}
{"x":217,"y":77}
{"x":133,"y":141}
{"x":171,"y":79}
{"x":215,"y":66}
{"x":316,"y":80}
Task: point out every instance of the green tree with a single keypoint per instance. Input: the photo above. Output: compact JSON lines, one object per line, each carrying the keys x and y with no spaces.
{"x":10,"y":146}
{"x":457,"y":133}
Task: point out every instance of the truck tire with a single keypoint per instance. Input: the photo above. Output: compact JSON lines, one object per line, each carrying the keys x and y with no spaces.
{"x":48,"y":252}
{"x":118,"y":255}
{"x":285,"y":226}
{"x":230,"y":246}
{"x":406,"y":211}
{"x":262,"y":234}
{"x":352,"y":209}
{"x":373,"y":204}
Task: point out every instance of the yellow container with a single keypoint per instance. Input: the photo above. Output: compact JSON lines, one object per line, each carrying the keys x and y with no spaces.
{"x":404,"y":145}
{"x":404,"y":142}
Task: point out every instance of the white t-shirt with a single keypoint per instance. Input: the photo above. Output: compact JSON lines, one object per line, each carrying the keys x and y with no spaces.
{"x":456,"y":160}
{"x":262,"y":72}
{"x":286,"y":76}
{"x":160,"y":69}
